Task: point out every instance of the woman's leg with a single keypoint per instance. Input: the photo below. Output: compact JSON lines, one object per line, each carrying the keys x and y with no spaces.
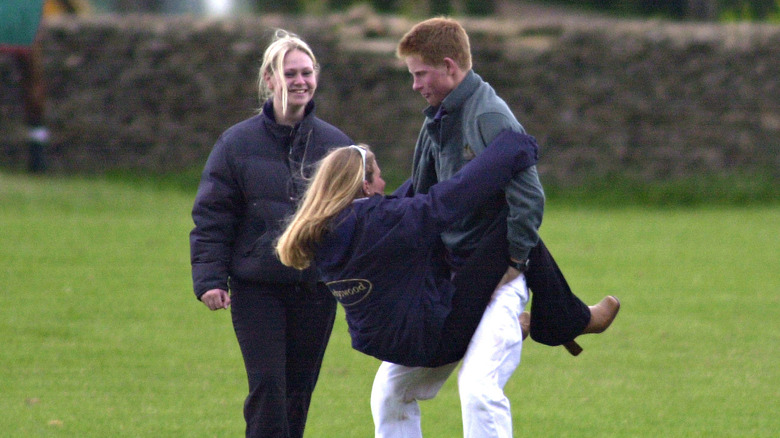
{"x":259,"y":320}
{"x":282,"y":331}
{"x":474,"y":283}
{"x":310,"y":315}
{"x":395,"y":393}
{"x":557,"y":315}
{"x":491,"y":358}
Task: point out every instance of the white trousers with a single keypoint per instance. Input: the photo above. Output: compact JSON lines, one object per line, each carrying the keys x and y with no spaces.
{"x":491,"y":358}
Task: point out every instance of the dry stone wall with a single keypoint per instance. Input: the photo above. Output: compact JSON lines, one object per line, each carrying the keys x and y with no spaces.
{"x":651,"y":100}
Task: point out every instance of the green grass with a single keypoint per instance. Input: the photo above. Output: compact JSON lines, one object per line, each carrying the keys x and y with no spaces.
{"x":102,"y":337}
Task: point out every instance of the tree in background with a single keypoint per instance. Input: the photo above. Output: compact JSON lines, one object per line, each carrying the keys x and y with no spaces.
{"x":426,"y":7}
{"x":684,"y":9}
{"x":750,"y":10}
{"x":479,"y":7}
{"x":701,"y":9}
{"x":676,"y":9}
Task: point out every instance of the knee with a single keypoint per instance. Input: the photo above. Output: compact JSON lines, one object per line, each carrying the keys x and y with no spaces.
{"x":385,"y":396}
{"x":477,"y":393}
{"x":392,"y":408}
{"x":266,"y":383}
{"x":391,"y":401}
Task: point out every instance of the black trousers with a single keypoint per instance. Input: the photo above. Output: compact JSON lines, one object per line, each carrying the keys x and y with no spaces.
{"x":282,"y":331}
{"x":474,"y":283}
{"x":557,"y":315}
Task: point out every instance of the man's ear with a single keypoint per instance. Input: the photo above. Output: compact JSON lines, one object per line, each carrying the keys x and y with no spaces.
{"x":452,"y":66}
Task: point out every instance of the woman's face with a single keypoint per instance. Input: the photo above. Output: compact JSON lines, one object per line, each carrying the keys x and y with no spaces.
{"x":299,"y":77}
{"x":377,"y":184}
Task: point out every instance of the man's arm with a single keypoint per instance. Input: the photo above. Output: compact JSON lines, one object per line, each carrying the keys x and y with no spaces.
{"x":524,"y":193}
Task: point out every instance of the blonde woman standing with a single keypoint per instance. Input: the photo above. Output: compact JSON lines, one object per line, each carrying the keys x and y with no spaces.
{"x":252,"y":180}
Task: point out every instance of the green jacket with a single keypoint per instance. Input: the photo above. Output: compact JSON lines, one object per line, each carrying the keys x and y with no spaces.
{"x":468,"y":119}
{"x":19,"y":20}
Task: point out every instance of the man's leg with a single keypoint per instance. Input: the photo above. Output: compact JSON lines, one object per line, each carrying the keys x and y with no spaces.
{"x":492,"y":357}
{"x":34,"y":96}
{"x":395,"y":393}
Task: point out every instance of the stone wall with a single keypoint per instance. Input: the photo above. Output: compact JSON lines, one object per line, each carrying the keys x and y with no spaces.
{"x":651,"y":100}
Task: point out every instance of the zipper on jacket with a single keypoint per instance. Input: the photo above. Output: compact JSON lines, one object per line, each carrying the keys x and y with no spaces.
{"x":296,"y":175}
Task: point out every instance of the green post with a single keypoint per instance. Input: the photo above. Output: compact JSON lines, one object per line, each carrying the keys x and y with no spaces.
{"x":19,"y":21}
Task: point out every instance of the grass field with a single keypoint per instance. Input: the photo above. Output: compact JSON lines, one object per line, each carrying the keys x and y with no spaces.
{"x":101,"y":336}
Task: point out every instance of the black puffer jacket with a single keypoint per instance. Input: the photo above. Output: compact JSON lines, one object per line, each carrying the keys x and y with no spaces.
{"x":250,"y":184}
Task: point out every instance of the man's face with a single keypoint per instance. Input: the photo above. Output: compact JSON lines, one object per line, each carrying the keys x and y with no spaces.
{"x":434,"y":83}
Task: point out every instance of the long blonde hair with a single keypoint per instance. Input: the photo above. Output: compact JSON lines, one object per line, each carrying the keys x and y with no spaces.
{"x":283,"y":43}
{"x":337,"y":182}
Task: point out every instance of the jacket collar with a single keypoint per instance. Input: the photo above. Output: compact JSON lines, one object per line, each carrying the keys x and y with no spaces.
{"x":457,"y":97}
{"x":283,"y":130}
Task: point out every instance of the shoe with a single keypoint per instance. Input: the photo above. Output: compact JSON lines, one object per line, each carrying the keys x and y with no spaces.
{"x":525,"y":324}
{"x":601,"y":317}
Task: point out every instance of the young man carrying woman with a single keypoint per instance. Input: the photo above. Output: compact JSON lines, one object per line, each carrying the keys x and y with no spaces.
{"x":383,"y":258}
{"x":464,"y":115}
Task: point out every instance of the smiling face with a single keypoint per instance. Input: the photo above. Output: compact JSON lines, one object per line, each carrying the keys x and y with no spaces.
{"x":434,"y":83}
{"x":293,"y":87}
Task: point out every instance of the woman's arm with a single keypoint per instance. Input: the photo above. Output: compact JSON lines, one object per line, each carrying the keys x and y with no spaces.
{"x":483,"y":177}
{"x":215,"y":214}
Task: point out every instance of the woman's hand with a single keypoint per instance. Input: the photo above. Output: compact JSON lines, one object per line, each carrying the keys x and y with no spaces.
{"x":216,"y":299}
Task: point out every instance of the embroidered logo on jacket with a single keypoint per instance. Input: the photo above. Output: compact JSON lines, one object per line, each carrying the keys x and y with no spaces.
{"x":350,"y":292}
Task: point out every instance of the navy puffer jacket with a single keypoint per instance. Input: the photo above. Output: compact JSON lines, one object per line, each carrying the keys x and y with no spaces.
{"x":252,"y":181}
{"x":384,"y":260}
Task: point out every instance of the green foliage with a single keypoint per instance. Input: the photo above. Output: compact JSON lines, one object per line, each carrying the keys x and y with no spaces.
{"x":440,"y":7}
{"x":287,"y":6}
{"x":480,"y":7}
{"x":340,"y":5}
{"x":727,"y":10}
{"x":102,"y":335}
{"x":666,"y":8}
{"x":742,"y":10}
{"x":410,"y":7}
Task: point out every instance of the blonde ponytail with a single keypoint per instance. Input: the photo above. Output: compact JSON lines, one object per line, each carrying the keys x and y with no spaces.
{"x":337,"y":181}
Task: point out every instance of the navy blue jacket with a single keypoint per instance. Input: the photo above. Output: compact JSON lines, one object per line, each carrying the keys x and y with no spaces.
{"x":250,"y":184}
{"x":384,"y":259}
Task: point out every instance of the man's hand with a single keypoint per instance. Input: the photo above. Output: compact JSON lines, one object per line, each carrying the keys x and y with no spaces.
{"x":216,"y":299}
{"x":510,"y":274}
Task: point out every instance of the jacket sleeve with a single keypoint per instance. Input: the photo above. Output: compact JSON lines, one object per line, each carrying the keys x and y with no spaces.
{"x":215,"y":214}
{"x":404,"y":190}
{"x":524,"y":195}
{"x":486,"y":175}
